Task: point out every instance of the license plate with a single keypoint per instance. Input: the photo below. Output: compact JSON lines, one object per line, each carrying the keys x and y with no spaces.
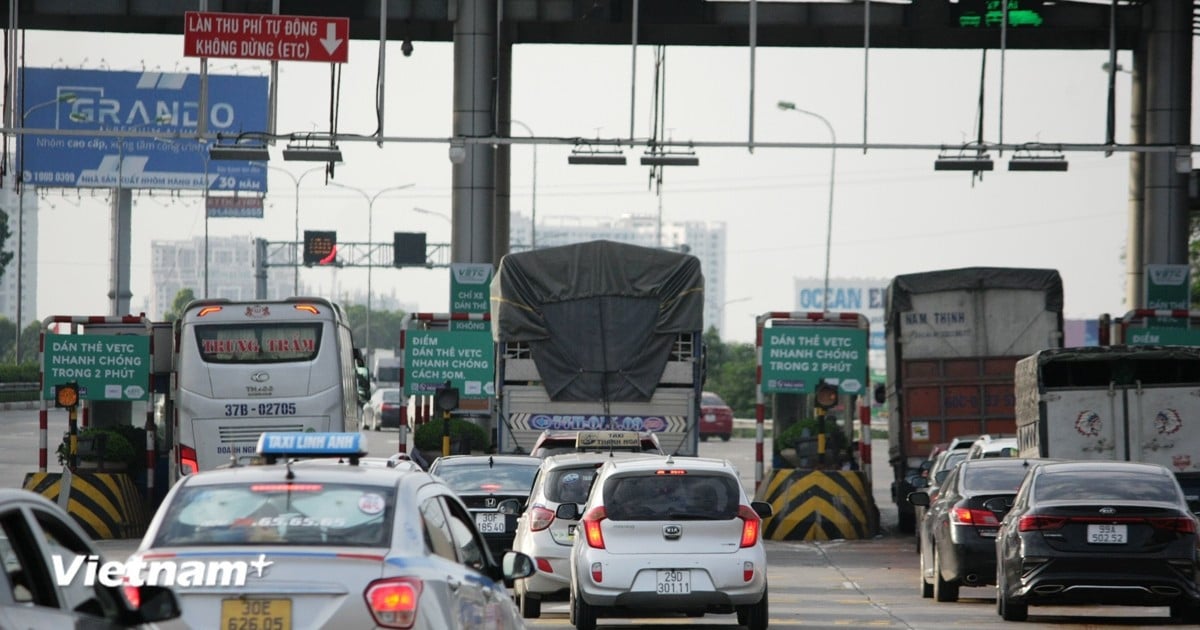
{"x":256,"y":614}
{"x":710,"y":417}
{"x":490,"y":523}
{"x":1107,"y":534}
{"x":674,"y":582}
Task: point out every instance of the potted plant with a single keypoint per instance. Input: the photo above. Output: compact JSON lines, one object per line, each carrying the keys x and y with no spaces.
{"x":465,"y":437}
{"x":103,"y":449}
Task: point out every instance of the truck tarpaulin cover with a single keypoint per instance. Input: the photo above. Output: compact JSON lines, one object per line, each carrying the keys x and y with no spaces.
{"x":600,"y":317}
{"x":905,"y":286}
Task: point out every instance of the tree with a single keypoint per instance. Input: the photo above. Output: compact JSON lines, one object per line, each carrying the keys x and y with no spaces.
{"x":731,"y":371}
{"x":182,"y":299}
{"x":31,"y":338}
{"x":5,"y":256}
{"x":8,"y":332}
{"x":385,"y":326}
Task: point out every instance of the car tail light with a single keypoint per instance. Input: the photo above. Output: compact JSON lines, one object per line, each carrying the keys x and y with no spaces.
{"x":1180,"y":524}
{"x":750,"y":525}
{"x":978,"y":518}
{"x":393,"y":601}
{"x":187,"y":460}
{"x":540,"y":518}
{"x":591,"y":527}
{"x":544,"y":565}
{"x":747,"y":571}
{"x":597,"y":572}
{"x":1036,"y":522}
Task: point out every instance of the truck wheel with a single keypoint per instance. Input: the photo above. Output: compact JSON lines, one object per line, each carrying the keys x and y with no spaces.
{"x":907,"y":522}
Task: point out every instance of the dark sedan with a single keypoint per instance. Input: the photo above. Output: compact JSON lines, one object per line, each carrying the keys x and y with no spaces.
{"x":958,"y":533}
{"x":1086,"y":532}
{"x":483,"y":482}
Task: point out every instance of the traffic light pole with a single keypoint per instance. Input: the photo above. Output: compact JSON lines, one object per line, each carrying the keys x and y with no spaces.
{"x":285,"y":254}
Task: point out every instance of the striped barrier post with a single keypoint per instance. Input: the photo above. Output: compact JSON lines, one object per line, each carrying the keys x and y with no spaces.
{"x":105,"y":505}
{"x":819,"y":505}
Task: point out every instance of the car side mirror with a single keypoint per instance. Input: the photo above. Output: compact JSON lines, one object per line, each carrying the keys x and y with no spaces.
{"x":880,"y":393}
{"x":762,"y":509}
{"x":158,"y":603}
{"x":999,"y":505}
{"x":919,"y":498}
{"x":567,"y":511}
{"x":516,"y":565}
{"x":509,"y":506}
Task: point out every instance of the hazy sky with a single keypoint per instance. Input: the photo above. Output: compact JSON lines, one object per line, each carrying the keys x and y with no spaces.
{"x":892,"y":213}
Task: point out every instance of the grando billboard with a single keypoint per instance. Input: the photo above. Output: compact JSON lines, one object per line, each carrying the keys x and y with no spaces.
{"x":167,"y":102}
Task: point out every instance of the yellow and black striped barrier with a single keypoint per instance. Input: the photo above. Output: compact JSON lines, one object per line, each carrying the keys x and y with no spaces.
{"x":106,"y":505}
{"x":819,"y":505}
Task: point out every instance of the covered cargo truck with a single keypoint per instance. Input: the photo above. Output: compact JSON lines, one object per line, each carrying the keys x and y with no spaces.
{"x":1126,"y":403}
{"x":598,"y":335}
{"x":953,"y":339}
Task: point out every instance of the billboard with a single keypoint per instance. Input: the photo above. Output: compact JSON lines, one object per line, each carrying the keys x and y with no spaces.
{"x":853,"y":295}
{"x":85,"y":100}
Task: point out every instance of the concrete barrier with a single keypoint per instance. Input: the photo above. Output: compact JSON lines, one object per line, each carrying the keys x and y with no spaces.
{"x":106,"y":505}
{"x":819,"y":505}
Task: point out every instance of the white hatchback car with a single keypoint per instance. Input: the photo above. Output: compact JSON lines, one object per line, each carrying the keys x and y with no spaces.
{"x":668,"y":534}
{"x":565,"y":478}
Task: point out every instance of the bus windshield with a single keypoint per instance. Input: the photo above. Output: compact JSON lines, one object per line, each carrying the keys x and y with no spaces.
{"x":258,"y":342}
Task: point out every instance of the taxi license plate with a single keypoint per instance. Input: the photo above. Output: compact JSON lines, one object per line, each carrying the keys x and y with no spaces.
{"x":673,"y":582}
{"x":256,"y":614}
{"x":490,"y":523}
{"x":1107,"y":534}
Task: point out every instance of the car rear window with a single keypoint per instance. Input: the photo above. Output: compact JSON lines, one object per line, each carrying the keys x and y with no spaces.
{"x":650,"y":497}
{"x":499,"y":478}
{"x":1003,"y":479}
{"x":1108,"y":486}
{"x":712,"y":400}
{"x":272,"y":513}
{"x":570,"y":485}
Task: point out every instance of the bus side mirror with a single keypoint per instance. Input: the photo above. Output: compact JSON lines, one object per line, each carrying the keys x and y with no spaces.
{"x":880,"y":393}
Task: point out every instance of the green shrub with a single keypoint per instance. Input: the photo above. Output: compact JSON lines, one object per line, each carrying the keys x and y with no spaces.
{"x":428,"y":436}
{"x":117,"y":447}
{"x":834,"y":435}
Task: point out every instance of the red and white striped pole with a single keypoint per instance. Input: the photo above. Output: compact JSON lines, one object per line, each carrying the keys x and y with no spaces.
{"x":403,"y":398}
{"x":759,"y":406}
{"x":864,"y":440}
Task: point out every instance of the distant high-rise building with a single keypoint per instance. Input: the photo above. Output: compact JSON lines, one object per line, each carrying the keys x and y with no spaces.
{"x":705,"y":241}
{"x":23,"y":267}
{"x":178,"y":265}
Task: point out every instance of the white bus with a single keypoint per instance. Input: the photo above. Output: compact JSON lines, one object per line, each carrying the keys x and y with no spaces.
{"x":242,"y":368}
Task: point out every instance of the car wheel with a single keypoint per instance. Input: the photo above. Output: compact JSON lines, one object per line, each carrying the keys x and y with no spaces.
{"x":907,"y":522}
{"x":725,"y":437}
{"x":754,"y":616}
{"x":1010,"y":610}
{"x":926,"y":587}
{"x":943,"y":591}
{"x":531,"y":607}
{"x":703,"y":437}
{"x":583,"y":614}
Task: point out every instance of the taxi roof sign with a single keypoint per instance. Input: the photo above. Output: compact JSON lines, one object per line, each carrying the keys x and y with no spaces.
{"x":608,"y":439}
{"x":273,"y":445}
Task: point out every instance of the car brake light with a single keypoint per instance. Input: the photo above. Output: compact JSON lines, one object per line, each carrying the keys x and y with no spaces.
{"x":591,"y":527}
{"x":1180,"y":524}
{"x":540,"y":518}
{"x":1035,"y":522}
{"x":978,"y":518}
{"x":747,"y":571}
{"x":750,"y":525}
{"x":597,"y":572}
{"x":187,"y":460}
{"x":393,"y":601}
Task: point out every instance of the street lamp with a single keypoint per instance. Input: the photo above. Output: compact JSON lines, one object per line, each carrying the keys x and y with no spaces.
{"x":370,"y":245}
{"x":64,"y":97}
{"x":533,"y":193}
{"x":786,"y":105}
{"x":296,"y":181}
{"x":432,"y":213}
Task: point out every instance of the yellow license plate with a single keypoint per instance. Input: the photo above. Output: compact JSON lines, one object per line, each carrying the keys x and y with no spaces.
{"x":256,"y":614}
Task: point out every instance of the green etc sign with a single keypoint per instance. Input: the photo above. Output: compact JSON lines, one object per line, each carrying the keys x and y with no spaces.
{"x":106,"y":367}
{"x":463,"y":357}
{"x":795,"y":359}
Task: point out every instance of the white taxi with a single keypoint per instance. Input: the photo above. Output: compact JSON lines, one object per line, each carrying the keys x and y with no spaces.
{"x":349,"y":546}
{"x":668,"y":534}
{"x":565,"y":478}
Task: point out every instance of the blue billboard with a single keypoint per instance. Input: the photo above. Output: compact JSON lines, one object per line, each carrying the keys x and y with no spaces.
{"x":167,"y":102}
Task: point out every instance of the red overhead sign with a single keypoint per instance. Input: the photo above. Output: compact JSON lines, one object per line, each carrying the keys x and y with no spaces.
{"x":264,"y":36}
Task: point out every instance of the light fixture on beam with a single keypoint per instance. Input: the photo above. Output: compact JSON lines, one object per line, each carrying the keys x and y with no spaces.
{"x":251,"y":152}
{"x":589,"y":155}
{"x":329,"y":153}
{"x":670,"y":159}
{"x":966,"y":158}
{"x":1030,"y":159}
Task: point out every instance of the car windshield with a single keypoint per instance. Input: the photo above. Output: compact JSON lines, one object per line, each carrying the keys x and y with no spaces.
{"x":279,"y":513}
{"x":505,"y":478}
{"x":1000,"y":479}
{"x":570,"y":485}
{"x":651,"y":497}
{"x":1106,"y":486}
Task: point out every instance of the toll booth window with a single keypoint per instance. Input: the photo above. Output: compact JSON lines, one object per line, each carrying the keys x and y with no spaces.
{"x":258,"y":343}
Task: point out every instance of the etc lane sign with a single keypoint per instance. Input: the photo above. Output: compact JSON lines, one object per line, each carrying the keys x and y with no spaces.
{"x":268,"y":37}
{"x":1168,"y":287}
{"x":79,"y":101}
{"x":463,"y":357}
{"x":107,"y":367}
{"x":796,"y":358}
{"x":470,"y":292}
